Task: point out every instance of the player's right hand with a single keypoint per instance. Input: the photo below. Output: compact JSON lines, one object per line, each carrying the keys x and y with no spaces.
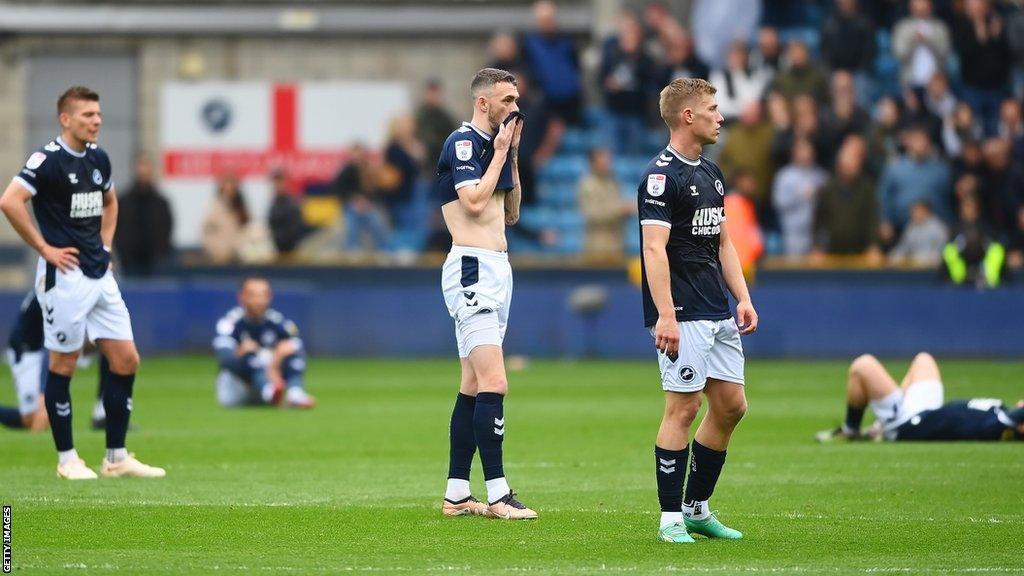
{"x":504,"y":138}
{"x":65,"y":259}
{"x":666,"y":335}
{"x":247,"y":346}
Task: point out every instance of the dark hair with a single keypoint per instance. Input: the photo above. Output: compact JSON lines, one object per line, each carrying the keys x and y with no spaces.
{"x":75,"y":93}
{"x":487,"y":78}
{"x":236,"y":204}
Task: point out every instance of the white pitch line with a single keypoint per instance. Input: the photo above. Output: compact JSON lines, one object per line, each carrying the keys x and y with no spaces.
{"x":574,"y":569}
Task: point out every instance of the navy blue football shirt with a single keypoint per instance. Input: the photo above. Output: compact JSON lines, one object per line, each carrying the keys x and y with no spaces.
{"x":465,"y":157}
{"x":235,"y":327}
{"x":976,"y":419}
{"x":686,"y":196}
{"x":67,"y":189}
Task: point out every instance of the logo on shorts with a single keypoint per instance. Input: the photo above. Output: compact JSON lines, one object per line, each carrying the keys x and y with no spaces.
{"x":464,"y":150}
{"x":656,"y":184}
{"x":62,"y":337}
{"x":687,"y":373}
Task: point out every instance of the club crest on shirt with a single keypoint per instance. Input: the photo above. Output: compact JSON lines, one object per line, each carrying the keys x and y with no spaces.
{"x":464,"y":150}
{"x":656,"y":184}
{"x":97,"y":178}
{"x":35,"y":160}
{"x":719,"y":187}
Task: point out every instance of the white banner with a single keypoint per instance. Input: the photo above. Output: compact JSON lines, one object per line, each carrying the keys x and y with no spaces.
{"x":209,"y":129}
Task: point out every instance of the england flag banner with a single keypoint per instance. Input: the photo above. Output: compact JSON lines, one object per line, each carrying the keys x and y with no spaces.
{"x":209,"y":129}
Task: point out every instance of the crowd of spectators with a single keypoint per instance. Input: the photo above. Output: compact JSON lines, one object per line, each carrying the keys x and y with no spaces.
{"x":886,"y":132}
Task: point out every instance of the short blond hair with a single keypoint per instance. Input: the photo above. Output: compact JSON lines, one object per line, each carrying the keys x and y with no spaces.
{"x":679,"y":93}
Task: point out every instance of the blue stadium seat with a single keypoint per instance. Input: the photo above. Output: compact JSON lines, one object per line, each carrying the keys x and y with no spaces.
{"x":564,"y":167}
{"x":772,"y":243}
{"x":631,"y":232}
{"x":570,"y":226}
{"x":810,"y":36}
{"x":629,"y":168}
{"x":595,"y":116}
{"x":537,"y":217}
{"x":656,"y":140}
{"x":575,"y":141}
{"x":569,"y":219}
{"x":565,"y":196}
{"x":887,"y":74}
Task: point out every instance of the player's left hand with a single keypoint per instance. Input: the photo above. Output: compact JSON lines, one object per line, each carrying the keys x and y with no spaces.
{"x":747,"y":317}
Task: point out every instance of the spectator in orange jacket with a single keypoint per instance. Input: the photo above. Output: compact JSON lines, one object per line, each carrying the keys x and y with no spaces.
{"x":741,"y":220}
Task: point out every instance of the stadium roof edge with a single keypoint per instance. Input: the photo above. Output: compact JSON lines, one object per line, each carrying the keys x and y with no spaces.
{"x":165,"y":19}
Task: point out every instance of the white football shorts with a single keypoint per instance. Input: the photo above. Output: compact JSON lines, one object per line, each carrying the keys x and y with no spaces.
{"x":477,"y":288}
{"x":73,"y":303}
{"x":233,"y":391}
{"x":902,"y":405}
{"x":707,"y":349}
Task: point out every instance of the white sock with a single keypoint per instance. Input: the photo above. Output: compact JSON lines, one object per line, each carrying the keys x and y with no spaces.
{"x":696,"y":510}
{"x":67,"y":456}
{"x":98,"y":412}
{"x":116,"y":454}
{"x":267,"y":393}
{"x":670,"y":518}
{"x":497,"y":489}
{"x":295,"y":394}
{"x":458,"y":489}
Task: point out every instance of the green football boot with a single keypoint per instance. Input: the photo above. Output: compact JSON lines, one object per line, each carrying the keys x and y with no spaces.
{"x":712,"y":528}
{"x":675,"y":532}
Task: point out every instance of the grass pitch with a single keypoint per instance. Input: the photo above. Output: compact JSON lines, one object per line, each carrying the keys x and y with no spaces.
{"x":356,"y":485}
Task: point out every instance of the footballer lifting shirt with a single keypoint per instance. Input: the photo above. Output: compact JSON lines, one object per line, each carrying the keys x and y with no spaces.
{"x":465,"y":157}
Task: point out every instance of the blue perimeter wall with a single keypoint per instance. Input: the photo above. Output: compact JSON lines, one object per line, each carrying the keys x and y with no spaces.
{"x":402,"y":314}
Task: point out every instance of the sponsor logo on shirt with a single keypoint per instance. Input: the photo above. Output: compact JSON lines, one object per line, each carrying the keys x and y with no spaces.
{"x":35,"y":160}
{"x":707,"y":221}
{"x":87,"y":204}
{"x":464,"y":150}
{"x":656,"y":185}
{"x":464,"y":167}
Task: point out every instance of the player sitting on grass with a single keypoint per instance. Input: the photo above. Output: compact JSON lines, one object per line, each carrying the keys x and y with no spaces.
{"x":259,"y":352}
{"x":914,"y":410}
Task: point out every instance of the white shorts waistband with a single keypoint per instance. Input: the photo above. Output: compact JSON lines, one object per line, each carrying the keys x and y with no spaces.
{"x":478,"y":252}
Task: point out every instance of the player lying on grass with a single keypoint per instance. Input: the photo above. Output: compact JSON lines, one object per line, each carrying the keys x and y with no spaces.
{"x":914,"y":409}
{"x":259,"y":352}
